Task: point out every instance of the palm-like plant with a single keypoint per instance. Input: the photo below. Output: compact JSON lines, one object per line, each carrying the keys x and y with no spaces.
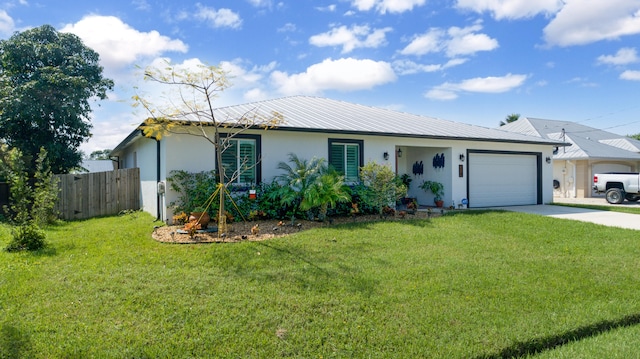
{"x":325,"y":192}
{"x":297,"y":178}
{"x":310,"y":184}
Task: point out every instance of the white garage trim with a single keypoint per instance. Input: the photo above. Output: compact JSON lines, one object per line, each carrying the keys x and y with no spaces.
{"x":502,"y":178}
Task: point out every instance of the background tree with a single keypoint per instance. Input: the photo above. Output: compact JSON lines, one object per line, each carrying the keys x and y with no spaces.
{"x":188,"y":109}
{"x":100,"y":155}
{"x":511,"y":118}
{"x":46,"y":81}
{"x":636,"y":136}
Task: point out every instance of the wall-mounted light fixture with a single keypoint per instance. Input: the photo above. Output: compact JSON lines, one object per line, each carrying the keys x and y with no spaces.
{"x":461,"y":157}
{"x":548,"y":159}
{"x":385,"y":155}
{"x":399,"y":152}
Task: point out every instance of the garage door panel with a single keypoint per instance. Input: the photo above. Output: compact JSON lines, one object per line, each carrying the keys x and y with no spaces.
{"x":502,"y":179}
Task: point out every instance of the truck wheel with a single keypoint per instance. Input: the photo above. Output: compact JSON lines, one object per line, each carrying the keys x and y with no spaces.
{"x":632,"y":197}
{"x":614,"y":196}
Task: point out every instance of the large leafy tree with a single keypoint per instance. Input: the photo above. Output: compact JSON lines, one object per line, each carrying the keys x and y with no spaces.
{"x":47,"y":80}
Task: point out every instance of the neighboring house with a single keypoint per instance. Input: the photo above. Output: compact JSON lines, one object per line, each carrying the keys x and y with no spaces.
{"x":96,"y":166}
{"x":486,"y":167}
{"x":591,"y":151}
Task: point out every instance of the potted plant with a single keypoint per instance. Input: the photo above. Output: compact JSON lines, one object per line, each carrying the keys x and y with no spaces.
{"x":412,"y":206}
{"x":406,"y":181}
{"x":437,"y":189}
{"x":200,"y":215}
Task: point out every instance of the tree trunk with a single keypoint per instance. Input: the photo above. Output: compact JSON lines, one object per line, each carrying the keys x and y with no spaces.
{"x":222,"y":217}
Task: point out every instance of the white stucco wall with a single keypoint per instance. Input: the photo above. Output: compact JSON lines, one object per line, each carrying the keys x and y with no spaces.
{"x":142,"y":154}
{"x":195,"y":154}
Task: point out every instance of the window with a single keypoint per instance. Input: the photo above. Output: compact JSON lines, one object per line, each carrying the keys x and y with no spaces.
{"x":240,"y":160}
{"x":346,"y":157}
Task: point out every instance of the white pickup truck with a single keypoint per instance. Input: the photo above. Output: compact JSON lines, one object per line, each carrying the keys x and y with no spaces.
{"x":618,"y":186}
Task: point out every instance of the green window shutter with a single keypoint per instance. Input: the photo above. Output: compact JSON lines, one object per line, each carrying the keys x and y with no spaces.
{"x":247,"y":160}
{"x":352,"y":163}
{"x":230,"y":159}
{"x":337,"y":157}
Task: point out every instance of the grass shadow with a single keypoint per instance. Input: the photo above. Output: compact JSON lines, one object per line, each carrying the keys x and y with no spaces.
{"x":317,"y":279}
{"x":14,"y":343}
{"x":370,"y":224}
{"x":473,"y":212}
{"x":539,"y":345}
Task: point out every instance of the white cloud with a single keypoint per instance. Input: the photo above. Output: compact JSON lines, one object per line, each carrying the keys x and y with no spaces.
{"x":585,"y":21}
{"x":464,"y":41}
{"x":407,"y":67}
{"x":242,"y":74}
{"x":512,"y":9}
{"x":624,"y":56}
{"x":455,"y":41}
{"x":442,"y":94}
{"x":7,"y":25}
{"x":330,"y":8}
{"x":261,"y":3}
{"x":345,"y":74}
{"x":118,"y":44}
{"x":429,"y":42}
{"x":491,"y":84}
{"x":384,"y":6}
{"x":288,"y":27}
{"x":351,"y":38}
{"x":218,"y":18}
{"x":141,"y":5}
{"x":630,"y":75}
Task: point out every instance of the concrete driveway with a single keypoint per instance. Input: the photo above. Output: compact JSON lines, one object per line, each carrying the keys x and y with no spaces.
{"x":607,"y":218}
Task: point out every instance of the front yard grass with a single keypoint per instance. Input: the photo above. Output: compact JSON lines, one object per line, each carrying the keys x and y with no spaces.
{"x":469,"y":285}
{"x":613,"y":208}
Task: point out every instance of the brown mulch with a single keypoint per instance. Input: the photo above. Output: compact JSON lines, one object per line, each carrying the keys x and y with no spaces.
{"x":241,"y":231}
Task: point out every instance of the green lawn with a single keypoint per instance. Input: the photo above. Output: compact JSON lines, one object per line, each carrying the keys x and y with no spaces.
{"x":471,"y":285}
{"x":614,"y":208}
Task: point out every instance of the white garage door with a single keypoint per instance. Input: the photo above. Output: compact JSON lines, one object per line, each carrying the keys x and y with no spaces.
{"x":502,"y":179}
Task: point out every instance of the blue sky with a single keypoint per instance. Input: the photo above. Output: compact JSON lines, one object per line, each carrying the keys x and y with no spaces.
{"x":471,"y":61}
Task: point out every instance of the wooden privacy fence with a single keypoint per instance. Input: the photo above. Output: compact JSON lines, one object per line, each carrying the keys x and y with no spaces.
{"x":96,"y":194}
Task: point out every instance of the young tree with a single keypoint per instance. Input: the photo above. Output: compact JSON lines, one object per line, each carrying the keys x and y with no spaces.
{"x":189,"y":110}
{"x":46,"y":81}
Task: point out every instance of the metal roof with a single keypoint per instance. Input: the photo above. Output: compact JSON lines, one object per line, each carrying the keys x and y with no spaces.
{"x":587,"y":142}
{"x":97,"y":165}
{"x":318,"y":114}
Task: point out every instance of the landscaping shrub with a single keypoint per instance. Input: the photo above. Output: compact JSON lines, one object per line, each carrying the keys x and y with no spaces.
{"x":310,"y":187}
{"x":45,"y":192}
{"x":383,"y":186}
{"x":26,"y":236}
{"x":194,"y":189}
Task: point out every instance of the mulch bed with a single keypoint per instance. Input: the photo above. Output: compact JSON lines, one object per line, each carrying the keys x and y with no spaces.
{"x":241,"y":231}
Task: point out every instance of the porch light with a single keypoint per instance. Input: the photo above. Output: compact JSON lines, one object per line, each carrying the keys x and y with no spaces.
{"x":399,"y":152}
{"x":548,"y":159}
{"x":461,"y":157}
{"x":385,"y":155}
